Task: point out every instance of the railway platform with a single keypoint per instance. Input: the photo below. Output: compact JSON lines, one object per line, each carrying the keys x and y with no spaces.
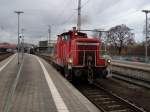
{"x":35,"y":86}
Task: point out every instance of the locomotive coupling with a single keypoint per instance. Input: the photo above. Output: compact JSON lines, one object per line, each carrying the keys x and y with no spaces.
{"x":69,"y":67}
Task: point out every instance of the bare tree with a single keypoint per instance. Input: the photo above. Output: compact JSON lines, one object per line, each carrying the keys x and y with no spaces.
{"x":120,"y":37}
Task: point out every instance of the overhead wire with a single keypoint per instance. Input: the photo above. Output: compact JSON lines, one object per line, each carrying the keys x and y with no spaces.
{"x":85,"y":3}
{"x":63,"y":10}
{"x":71,"y":16}
{"x":67,"y":20}
{"x":64,"y":22}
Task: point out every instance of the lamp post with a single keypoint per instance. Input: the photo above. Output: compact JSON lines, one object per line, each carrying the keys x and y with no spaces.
{"x":18,"y":13}
{"x":146,"y":37}
{"x":49,"y":38}
{"x":22,"y":42}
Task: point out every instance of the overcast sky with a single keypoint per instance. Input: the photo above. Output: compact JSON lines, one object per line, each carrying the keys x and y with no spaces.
{"x":62,"y":16}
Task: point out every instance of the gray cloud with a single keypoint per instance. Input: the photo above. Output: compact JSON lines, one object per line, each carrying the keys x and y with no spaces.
{"x":62,"y":15}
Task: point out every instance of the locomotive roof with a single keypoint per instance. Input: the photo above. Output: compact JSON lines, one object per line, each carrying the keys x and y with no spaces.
{"x":70,"y":32}
{"x":65,"y":33}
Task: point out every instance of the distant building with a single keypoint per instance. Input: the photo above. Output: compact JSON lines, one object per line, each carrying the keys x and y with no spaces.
{"x":43,"y":43}
{"x":7,"y":47}
{"x":51,"y":46}
{"x":44,"y":46}
{"x":28,"y":48}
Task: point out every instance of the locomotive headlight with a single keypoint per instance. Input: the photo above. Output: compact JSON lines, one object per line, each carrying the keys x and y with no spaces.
{"x":70,"y":61}
{"x":108,"y":61}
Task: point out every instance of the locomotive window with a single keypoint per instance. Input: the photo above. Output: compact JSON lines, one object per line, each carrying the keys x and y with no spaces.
{"x":82,"y":34}
{"x":66,"y":37}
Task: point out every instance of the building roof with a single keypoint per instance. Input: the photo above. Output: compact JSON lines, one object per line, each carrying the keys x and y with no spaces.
{"x":7,"y":45}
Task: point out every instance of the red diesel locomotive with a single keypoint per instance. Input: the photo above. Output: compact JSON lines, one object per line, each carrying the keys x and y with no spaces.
{"x":79,"y":56}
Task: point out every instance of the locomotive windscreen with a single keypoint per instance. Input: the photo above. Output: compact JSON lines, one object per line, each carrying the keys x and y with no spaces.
{"x":83,"y":35}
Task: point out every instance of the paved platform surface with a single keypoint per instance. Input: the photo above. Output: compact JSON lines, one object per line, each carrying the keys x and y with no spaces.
{"x":35,"y":86}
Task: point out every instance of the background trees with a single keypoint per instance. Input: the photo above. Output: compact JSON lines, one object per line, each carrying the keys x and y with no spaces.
{"x":120,"y":37}
{"x":119,"y":40}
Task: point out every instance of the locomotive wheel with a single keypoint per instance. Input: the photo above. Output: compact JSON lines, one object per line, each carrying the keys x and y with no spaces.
{"x":104,"y":73}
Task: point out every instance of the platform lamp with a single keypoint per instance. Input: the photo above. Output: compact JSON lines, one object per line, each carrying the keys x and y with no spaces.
{"x":18,"y":13}
{"x":146,"y":37}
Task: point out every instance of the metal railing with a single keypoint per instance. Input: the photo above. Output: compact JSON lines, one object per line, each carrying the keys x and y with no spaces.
{"x":131,"y":58}
{"x":84,"y":54}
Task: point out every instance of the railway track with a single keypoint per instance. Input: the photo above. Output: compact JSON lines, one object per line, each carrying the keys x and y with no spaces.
{"x":4,"y":55}
{"x":132,"y":80}
{"x":107,"y":101}
{"x":117,"y":76}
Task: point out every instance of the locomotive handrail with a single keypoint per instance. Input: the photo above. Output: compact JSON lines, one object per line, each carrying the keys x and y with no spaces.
{"x":88,"y":50}
{"x":91,"y":50}
{"x":83,"y":64}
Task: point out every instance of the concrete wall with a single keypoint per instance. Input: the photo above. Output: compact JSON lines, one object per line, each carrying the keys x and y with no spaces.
{"x":132,"y":69}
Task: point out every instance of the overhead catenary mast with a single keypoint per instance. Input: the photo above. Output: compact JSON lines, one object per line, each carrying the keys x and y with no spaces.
{"x":22,"y":30}
{"x":79,"y":15}
{"x":49,"y":36}
{"x":146,"y":38}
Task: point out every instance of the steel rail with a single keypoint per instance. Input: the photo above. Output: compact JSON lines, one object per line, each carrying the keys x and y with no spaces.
{"x":121,"y":99}
{"x":132,"y":80}
{"x":125,"y":105}
{"x":107,"y":101}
